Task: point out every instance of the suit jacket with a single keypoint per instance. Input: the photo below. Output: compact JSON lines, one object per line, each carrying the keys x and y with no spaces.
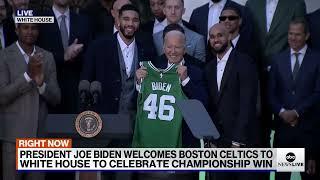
{"x":233,"y":108}
{"x":276,"y":40}
{"x":195,"y":44}
{"x":199,"y":19}
{"x":194,"y":89}
{"x":301,"y":94}
{"x":68,"y":72}
{"x":102,"y":64}
{"x":9,"y":32}
{"x":314,"y":25}
{"x":24,"y":109}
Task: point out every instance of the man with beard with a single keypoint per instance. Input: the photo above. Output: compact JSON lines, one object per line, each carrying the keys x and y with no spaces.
{"x":232,"y":19}
{"x":67,"y":39}
{"x":232,"y":81}
{"x":113,"y":62}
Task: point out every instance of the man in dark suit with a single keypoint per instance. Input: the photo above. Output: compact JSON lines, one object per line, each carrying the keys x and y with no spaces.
{"x":67,"y":39}
{"x":232,"y":82}
{"x":105,"y":61}
{"x":204,"y":17}
{"x":294,"y":93}
{"x":271,"y":20}
{"x":28,"y":83}
{"x":314,"y":24}
{"x":231,"y":17}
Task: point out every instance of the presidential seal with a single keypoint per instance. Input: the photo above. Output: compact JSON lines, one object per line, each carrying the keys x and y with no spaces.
{"x":88,"y":124}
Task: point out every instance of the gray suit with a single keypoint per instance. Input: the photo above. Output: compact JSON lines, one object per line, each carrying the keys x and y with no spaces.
{"x":195,"y":45}
{"x":23,"y":109}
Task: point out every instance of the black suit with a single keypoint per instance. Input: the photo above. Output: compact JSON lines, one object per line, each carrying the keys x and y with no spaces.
{"x":235,"y":104}
{"x":233,"y":107}
{"x":314,"y":25}
{"x":245,"y":46}
{"x":199,"y":19}
{"x":102,"y":64}
{"x":194,"y":89}
{"x":301,"y":94}
{"x":68,"y":73}
{"x":9,"y":32}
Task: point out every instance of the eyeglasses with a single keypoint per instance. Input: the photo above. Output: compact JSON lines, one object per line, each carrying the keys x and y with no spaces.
{"x":230,"y":18}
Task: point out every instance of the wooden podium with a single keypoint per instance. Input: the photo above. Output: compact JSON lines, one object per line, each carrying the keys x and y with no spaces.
{"x":114,"y":127}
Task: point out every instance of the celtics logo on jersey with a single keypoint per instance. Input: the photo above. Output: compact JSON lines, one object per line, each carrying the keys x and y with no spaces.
{"x":158,"y":120}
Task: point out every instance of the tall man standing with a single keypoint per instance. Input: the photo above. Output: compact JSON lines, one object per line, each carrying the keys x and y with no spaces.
{"x":294,"y":93}
{"x":232,"y":82}
{"x":28,"y":83}
{"x":67,"y":39}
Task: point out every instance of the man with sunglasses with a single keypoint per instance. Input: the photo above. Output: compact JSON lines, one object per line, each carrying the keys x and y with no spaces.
{"x":231,"y":18}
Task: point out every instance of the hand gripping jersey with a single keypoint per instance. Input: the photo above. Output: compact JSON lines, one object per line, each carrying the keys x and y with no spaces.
{"x":158,"y":121}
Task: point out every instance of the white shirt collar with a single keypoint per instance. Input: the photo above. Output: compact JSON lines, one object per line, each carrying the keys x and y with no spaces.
{"x":114,"y":29}
{"x":235,"y":40}
{"x":123,"y":45}
{"x":226,"y":56}
{"x":57,"y":14}
{"x":301,"y":51}
{"x":25,"y":55}
{"x":221,"y":3}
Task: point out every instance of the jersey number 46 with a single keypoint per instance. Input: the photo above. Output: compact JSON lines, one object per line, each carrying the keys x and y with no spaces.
{"x":150,"y":105}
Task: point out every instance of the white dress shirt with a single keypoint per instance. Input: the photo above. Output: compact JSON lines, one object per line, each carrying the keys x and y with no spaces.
{"x":301,"y":55}
{"x":26,"y":58}
{"x":114,"y":29}
{"x":215,"y":10}
{"x":271,"y":6}
{"x":235,"y":41}
{"x":127,"y":53}
{"x":57,"y":14}
{"x":221,"y":64}
{"x":159,"y":26}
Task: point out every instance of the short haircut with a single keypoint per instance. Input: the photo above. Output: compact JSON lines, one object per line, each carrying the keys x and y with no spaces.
{"x":172,"y":27}
{"x":303,"y":21}
{"x":128,"y":7}
{"x":233,"y":8}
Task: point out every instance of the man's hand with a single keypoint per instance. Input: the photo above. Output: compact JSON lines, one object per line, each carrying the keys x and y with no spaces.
{"x":285,"y":116}
{"x":311,"y":167}
{"x":293,"y":117}
{"x":35,"y":68}
{"x":141,"y":73}
{"x":73,"y":50}
{"x":182,"y":72}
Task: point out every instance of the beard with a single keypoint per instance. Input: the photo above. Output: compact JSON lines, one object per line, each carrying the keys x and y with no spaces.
{"x":215,"y":1}
{"x":123,"y":32}
{"x":221,"y":49}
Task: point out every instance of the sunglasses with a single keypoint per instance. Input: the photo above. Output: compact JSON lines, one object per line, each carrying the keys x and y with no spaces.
{"x":230,"y":18}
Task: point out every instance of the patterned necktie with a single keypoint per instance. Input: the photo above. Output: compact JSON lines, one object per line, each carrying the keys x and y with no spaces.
{"x":296,"y":66}
{"x":64,"y":32}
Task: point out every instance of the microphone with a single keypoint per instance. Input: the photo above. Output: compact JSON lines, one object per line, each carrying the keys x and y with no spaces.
{"x":95,"y":89}
{"x":84,"y":86}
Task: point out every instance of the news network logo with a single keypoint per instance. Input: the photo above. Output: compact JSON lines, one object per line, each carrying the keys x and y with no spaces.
{"x":27,"y":16}
{"x":290,"y":159}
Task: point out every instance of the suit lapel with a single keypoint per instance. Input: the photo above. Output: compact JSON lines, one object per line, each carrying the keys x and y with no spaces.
{"x":205,"y":19}
{"x":261,"y":8}
{"x":19,"y":62}
{"x":226,"y":73}
{"x":73,"y":26}
{"x":56,"y":29}
{"x":304,"y":66}
{"x":278,"y":14}
{"x":286,"y":68}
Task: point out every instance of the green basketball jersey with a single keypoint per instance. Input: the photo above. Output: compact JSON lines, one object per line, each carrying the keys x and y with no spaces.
{"x":158,"y":121}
